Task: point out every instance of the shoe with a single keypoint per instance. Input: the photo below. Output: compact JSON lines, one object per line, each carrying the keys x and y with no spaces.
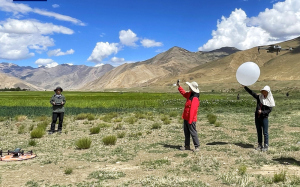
{"x":59,"y":131}
{"x":197,"y":149}
{"x":50,"y":132}
{"x":259,"y":147}
{"x":183,"y":148}
{"x":265,"y":148}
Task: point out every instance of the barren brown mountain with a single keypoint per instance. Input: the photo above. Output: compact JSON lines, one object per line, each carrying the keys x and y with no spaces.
{"x":171,"y":63}
{"x":279,"y":71}
{"x":13,"y":82}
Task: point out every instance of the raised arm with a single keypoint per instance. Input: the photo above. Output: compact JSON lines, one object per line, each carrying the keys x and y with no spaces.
{"x":251,"y":92}
{"x":183,"y":92}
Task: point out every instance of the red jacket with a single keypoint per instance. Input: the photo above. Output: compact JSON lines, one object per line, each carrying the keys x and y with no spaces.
{"x":191,"y":106}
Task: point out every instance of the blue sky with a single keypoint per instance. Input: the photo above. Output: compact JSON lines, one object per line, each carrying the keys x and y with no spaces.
{"x":95,"y":32}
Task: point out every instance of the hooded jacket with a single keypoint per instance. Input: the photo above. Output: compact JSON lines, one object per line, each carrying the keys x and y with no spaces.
{"x":265,"y":110}
{"x":191,"y":105}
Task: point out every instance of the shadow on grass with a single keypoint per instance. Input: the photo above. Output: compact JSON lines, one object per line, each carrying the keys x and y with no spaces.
{"x":217,"y":143}
{"x":287,"y":161}
{"x":171,"y":146}
{"x":244,"y":145}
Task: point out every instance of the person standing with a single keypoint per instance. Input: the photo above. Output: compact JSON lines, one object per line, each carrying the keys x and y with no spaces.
{"x":190,"y":114}
{"x":58,"y":101}
{"x":264,"y":104}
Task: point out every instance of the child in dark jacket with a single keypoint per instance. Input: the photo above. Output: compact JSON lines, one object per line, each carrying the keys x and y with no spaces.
{"x":190,"y":114}
{"x":264,"y":104}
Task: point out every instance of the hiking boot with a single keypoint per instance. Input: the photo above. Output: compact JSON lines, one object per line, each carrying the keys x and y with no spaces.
{"x":197,"y":149}
{"x":259,"y":147}
{"x":183,"y":148}
{"x":265,"y":148}
{"x":59,"y":131}
{"x":50,"y":132}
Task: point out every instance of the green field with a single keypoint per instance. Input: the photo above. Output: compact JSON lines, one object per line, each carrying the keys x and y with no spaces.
{"x":133,"y":139}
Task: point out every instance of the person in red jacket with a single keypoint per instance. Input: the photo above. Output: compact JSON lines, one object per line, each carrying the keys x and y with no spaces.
{"x":190,"y":114}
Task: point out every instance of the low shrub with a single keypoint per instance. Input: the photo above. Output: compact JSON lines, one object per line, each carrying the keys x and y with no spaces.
{"x":37,"y":133}
{"x":95,"y":130}
{"x":156,"y":126}
{"x":21,"y":129}
{"x":68,"y":171}
{"x":83,"y":143}
{"x":212,"y":118}
{"x":109,"y":140}
{"x":121,"y":134}
{"x":32,"y":143}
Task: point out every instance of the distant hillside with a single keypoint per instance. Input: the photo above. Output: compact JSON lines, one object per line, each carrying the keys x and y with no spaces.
{"x":70,"y":77}
{"x":221,"y":73}
{"x":173,"y":62}
{"x":13,"y":82}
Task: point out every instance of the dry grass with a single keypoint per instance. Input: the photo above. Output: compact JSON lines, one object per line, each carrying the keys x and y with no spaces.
{"x":146,"y":155}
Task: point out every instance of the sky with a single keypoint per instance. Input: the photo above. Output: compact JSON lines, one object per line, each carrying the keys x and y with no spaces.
{"x":97,"y":32}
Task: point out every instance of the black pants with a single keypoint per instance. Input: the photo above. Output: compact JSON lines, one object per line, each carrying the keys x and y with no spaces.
{"x":190,"y":130}
{"x":262,"y":125}
{"x":60,"y":116}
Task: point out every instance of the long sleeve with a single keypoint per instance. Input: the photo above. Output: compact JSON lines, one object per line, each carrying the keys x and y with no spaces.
{"x":251,"y":92}
{"x":52,"y":100}
{"x":266,"y":111}
{"x":193,"y":110}
{"x":183,"y":92}
{"x":64,"y":99}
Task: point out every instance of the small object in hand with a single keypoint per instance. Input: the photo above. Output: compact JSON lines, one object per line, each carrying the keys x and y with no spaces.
{"x":58,"y":103}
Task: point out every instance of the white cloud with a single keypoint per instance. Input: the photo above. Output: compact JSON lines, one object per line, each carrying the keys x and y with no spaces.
{"x":99,"y":65}
{"x":280,"y":23}
{"x":70,"y":64}
{"x":159,"y":51}
{"x":32,"y":27}
{"x":58,"y":52}
{"x":234,"y":32}
{"x":18,"y":8}
{"x":103,"y":50}
{"x":17,"y":37}
{"x":150,"y":43}
{"x":115,"y":61}
{"x":128,"y":38}
{"x":55,"y":6}
{"x":48,"y":63}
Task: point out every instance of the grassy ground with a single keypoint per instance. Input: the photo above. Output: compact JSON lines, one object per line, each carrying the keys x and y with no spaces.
{"x":146,"y":152}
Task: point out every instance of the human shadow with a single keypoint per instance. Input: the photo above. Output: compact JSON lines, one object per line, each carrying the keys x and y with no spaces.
{"x":244,"y":145}
{"x":217,"y":143}
{"x":287,"y":161}
{"x":171,"y":146}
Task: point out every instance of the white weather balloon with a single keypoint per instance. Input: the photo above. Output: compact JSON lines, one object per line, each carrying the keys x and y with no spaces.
{"x":248,"y":73}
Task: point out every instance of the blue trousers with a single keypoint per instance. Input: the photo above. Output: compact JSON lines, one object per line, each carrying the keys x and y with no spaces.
{"x":262,"y":125}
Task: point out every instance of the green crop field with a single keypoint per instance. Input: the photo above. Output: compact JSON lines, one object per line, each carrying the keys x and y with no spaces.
{"x":133,"y":139}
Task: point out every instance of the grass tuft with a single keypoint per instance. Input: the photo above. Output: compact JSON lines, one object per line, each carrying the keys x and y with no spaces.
{"x":156,"y":126}
{"x":212,"y":118}
{"x":109,"y":140}
{"x":68,"y":171}
{"x":83,"y":143}
{"x":37,"y":133}
{"x":95,"y":130}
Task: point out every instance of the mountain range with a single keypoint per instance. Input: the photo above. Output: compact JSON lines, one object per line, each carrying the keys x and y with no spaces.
{"x":212,"y":70}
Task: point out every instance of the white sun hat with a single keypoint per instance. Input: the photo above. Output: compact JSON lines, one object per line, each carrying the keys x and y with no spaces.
{"x":193,"y":86}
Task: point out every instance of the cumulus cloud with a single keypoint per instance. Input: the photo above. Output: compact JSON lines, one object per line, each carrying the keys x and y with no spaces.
{"x":103,"y":50}
{"x":58,"y":52}
{"x":128,"y":38}
{"x":150,"y":43}
{"x":19,"y":36}
{"x":280,"y":23}
{"x":48,"y":63}
{"x":115,"y":61}
{"x":19,"y":8}
{"x":55,"y":6}
{"x":32,"y":27}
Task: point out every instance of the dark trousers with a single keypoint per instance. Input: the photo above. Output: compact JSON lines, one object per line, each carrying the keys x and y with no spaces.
{"x":190,"y":130}
{"x":262,"y":125}
{"x":60,"y":116}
